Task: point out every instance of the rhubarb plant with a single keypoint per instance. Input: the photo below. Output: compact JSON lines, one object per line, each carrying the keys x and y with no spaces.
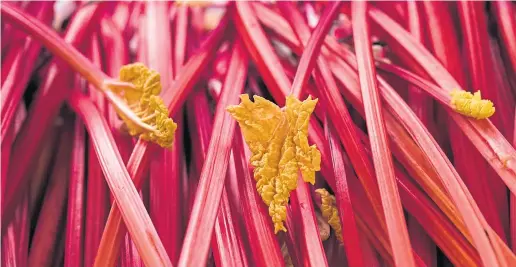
{"x":266,"y":133}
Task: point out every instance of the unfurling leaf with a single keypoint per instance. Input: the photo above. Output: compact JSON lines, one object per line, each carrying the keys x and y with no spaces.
{"x":143,"y":99}
{"x":471,"y":105}
{"x":278,"y":140}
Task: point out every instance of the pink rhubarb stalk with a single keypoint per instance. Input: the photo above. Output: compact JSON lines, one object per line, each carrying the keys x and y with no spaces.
{"x":211,"y":182}
{"x":50,"y":221}
{"x":384,"y":169}
{"x":75,"y":233}
{"x":350,"y":234}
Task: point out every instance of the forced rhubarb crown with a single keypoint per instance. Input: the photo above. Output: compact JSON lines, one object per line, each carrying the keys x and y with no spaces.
{"x":471,"y":105}
{"x":278,"y":140}
{"x":145,"y":102}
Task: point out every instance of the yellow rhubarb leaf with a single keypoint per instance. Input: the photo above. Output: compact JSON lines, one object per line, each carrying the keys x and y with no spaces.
{"x":278,"y":141}
{"x":330,"y":212}
{"x":144,"y":102}
{"x":471,"y":105}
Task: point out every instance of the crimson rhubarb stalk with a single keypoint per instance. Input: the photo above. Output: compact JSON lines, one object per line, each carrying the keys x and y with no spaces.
{"x":51,"y":218}
{"x":384,"y":169}
{"x":207,"y":199}
{"x":74,"y":236}
{"x":350,"y":235}
{"x":227,"y":243}
{"x":97,"y":191}
{"x":165,"y":169}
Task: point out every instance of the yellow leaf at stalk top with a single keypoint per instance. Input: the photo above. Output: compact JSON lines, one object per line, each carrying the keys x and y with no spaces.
{"x":330,"y":212}
{"x":145,"y":102}
{"x":278,"y":140}
{"x":471,"y":105}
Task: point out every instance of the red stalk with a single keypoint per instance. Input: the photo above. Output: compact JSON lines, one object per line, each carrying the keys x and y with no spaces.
{"x":312,"y":49}
{"x":50,"y":221}
{"x":165,"y":189}
{"x":302,"y":208}
{"x":165,"y":193}
{"x":133,"y":211}
{"x":228,"y":237}
{"x":384,"y":168}
{"x":157,"y":41}
{"x":350,"y":235}
{"x":42,"y":165}
{"x":418,"y":101}
{"x":422,"y":107}
{"x":207,"y":198}
{"x":261,"y":52}
{"x":227,"y":242}
{"x":46,"y":105}
{"x":97,"y":191}
{"x":200,"y":123}
{"x":116,"y":47}
{"x":75,"y":226}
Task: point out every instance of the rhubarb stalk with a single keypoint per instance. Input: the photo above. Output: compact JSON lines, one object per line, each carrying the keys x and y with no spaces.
{"x":211,"y":182}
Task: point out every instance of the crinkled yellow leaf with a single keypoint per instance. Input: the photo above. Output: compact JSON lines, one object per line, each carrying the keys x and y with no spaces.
{"x":330,"y":212}
{"x":279,"y":145}
{"x":145,"y":102}
{"x":471,"y":105}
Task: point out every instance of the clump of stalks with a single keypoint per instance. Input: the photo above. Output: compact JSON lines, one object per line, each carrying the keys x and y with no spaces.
{"x":258,"y":133}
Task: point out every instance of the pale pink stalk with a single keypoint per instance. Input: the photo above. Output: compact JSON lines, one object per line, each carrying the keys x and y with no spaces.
{"x":75,"y":230}
{"x":382,"y":159}
{"x":207,"y":198}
